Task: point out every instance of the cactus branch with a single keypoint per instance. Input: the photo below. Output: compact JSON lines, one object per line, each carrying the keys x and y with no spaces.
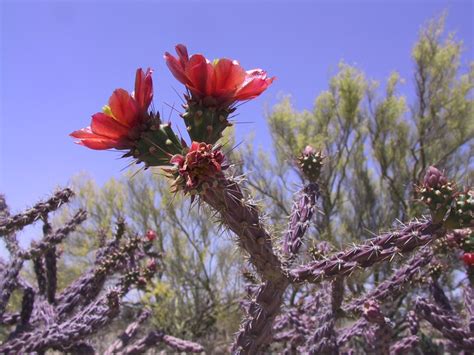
{"x":303,"y":210}
{"x":404,"y":345}
{"x":8,"y":282}
{"x":12,"y":224}
{"x":449,"y":326}
{"x":155,"y":337}
{"x":55,"y":238}
{"x":129,"y":333}
{"x":393,"y":286}
{"x":386,"y":246}
{"x":244,"y":220}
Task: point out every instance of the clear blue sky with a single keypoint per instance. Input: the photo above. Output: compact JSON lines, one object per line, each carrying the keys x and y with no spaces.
{"x":61,"y":60}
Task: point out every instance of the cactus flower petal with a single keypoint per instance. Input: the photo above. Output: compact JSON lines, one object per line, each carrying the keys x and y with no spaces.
{"x":124,"y":108}
{"x":107,"y":126}
{"x":143,"y":93}
{"x":256,"y":82}
{"x":229,"y":75}
{"x":223,"y":80}
{"x":93,"y":141}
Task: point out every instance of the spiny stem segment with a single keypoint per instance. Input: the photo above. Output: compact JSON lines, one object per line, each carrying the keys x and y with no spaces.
{"x":205,"y":123}
{"x":303,"y":210}
{"x":384,"y":247}
{"x":13,"y":224}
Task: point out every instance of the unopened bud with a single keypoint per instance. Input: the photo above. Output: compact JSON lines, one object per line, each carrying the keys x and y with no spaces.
{"x":150,"y":235}
{"x":434,"y":178}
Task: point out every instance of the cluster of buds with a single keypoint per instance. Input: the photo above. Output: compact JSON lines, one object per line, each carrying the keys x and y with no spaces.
{"x":462,"y":212}
{"x":372,"y":313}
{"x":437,"y":193}
{"x":435,"y":270}
{"x":199,"y":169}
{"x":118,"y":256}
{"x":319,"y":250}
{"x":136,"y":277}
{"x":310,"y":163}
{"x":452,"y":208}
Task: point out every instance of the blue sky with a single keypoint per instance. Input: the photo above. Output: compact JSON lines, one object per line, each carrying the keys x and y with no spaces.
{"x":61,"y":60}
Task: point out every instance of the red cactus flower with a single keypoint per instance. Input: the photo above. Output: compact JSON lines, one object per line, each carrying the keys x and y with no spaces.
{"x":221,"y":82}
{"x":120,"y":122}
{"x":150,"y":235}
{"x":202,"y":163}
{"x":468,"y":259}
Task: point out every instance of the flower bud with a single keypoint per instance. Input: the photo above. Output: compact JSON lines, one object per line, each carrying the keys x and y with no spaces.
{"x":151,"y":265}
{"x":434,"y":178}
{"x":310,"y":163}
{"x":150,"y":235}
{"x":371,"y":312}
{"x":437,"y":193}
{"x":468,"y":259}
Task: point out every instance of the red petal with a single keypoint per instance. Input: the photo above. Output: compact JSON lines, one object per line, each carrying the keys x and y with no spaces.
{"x":177,"y":69}
{"x":255,"y":83}
{"x":107,"y":127}
{"x":99,"y":144}
{"x":83,"y":133}
{"x":124,"y":108}
{"x":91,"y":140}
{"x":179,"y":159}
{"x":200,"y":73}
{"x":143,"y":89}
{"x":194,"y":146}
{"x":229,"y":75}
{"x":182,"y":54}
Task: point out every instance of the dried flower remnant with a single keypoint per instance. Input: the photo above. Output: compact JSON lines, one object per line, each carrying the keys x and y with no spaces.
{"x":201,"y":167}
{"x":437,"y":193}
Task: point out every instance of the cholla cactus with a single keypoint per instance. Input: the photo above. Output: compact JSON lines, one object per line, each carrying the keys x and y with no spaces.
{"x":322,"y":316}
{"x":64,"y":321}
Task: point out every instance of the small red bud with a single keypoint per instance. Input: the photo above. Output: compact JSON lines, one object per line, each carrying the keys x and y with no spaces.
{"x":468,"y":259}
{"x":150,"y":235}
{"x":151,"y":265}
